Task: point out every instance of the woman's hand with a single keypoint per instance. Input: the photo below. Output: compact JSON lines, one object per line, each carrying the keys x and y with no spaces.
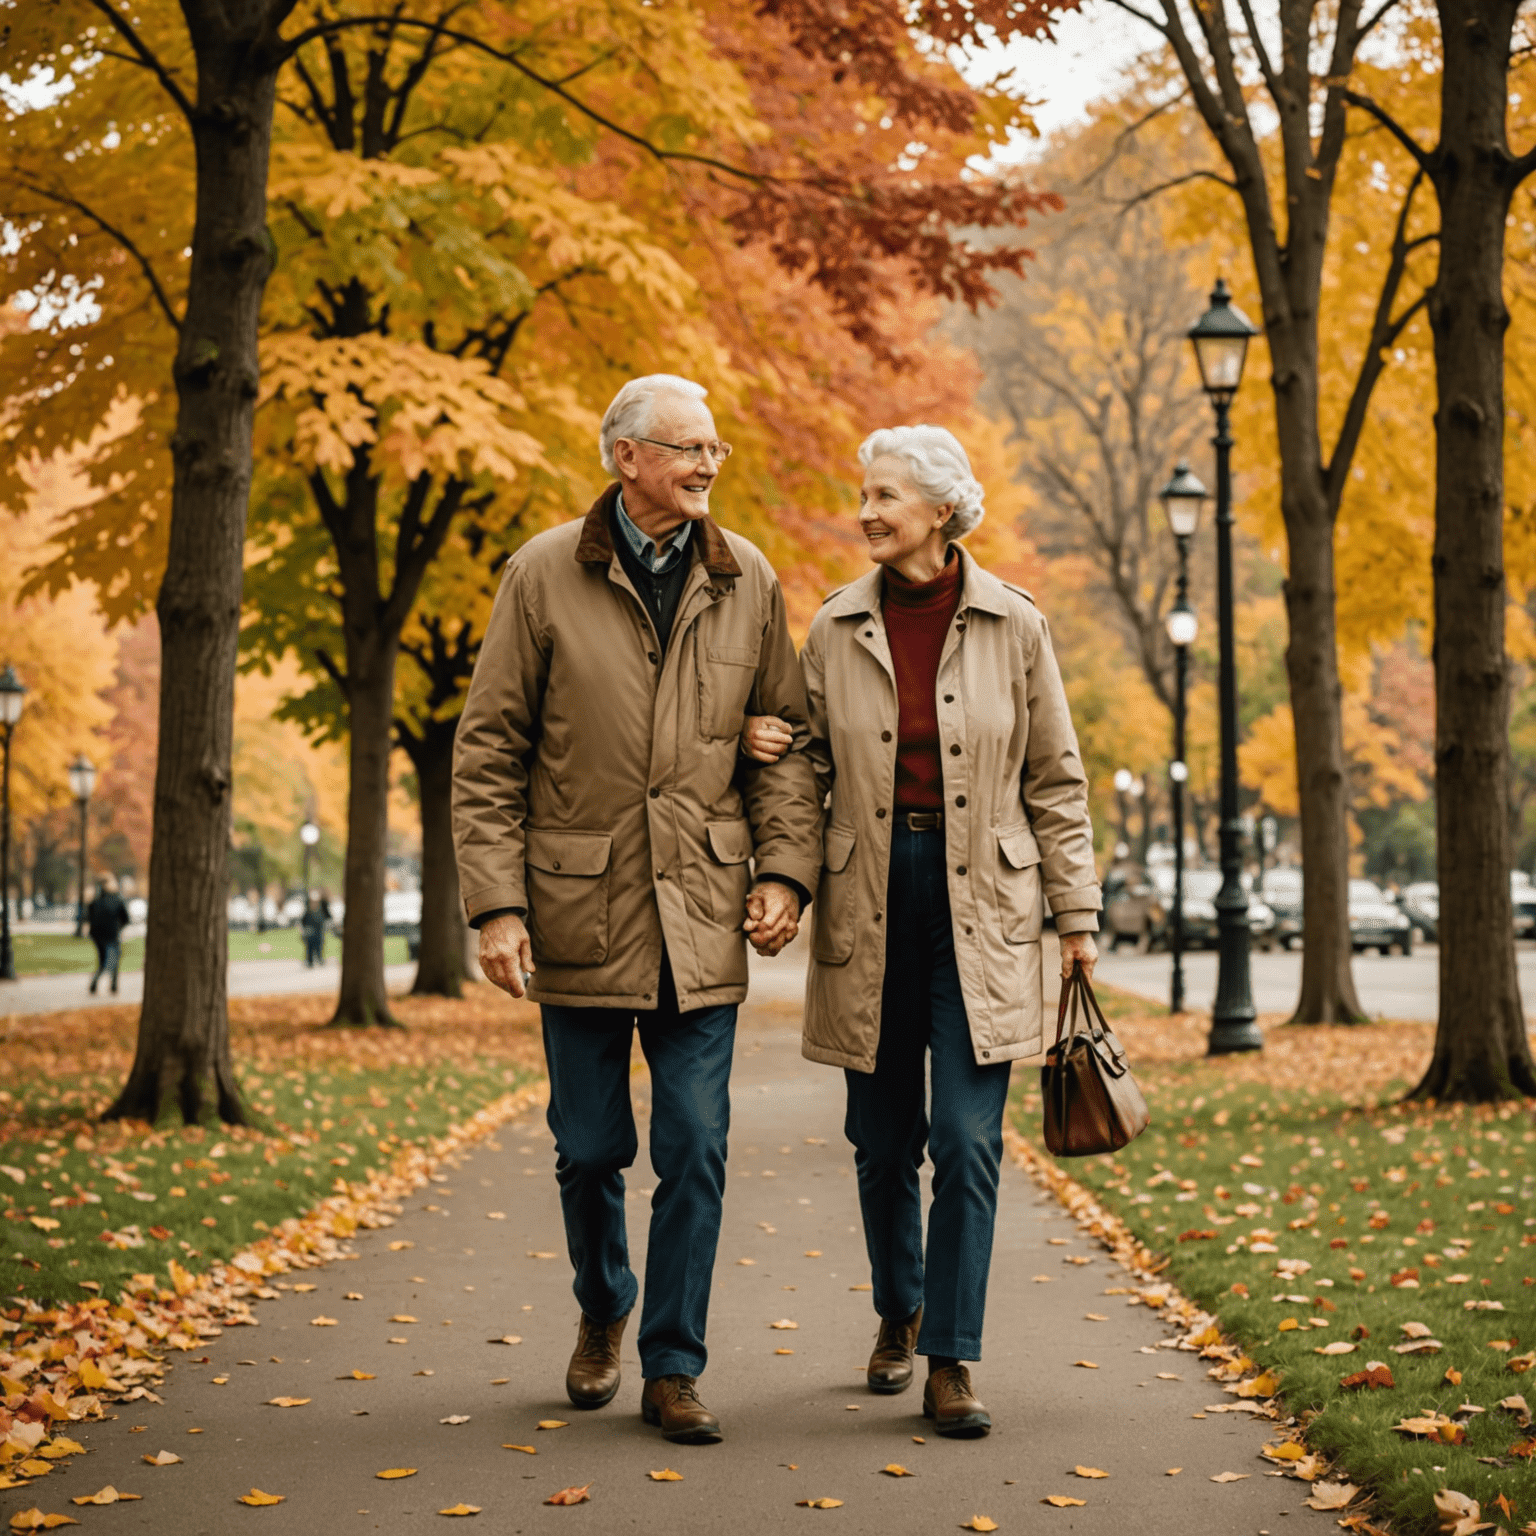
{"x":766,"y":738}
{"x":1077,"y":947}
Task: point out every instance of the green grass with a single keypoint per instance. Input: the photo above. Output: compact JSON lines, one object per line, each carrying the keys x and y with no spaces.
{"x":1319,"y":1170}
{"x":51,"y":954}
{"x":333,"y":1104}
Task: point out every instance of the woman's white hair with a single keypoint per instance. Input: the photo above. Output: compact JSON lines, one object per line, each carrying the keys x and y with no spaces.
{"x":634,"y":406}
{"x":940,"y":470}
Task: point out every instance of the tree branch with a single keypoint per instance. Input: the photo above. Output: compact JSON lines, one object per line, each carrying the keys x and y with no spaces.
{"x":64,"y":200}
{"x":1140,"y":15}
{"x":1421,"y":157}
{"x":143,"y":55}
{"x":1178,"y":181}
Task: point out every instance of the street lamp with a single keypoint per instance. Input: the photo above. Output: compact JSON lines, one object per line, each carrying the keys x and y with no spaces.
{"x":1221,"y":337}
{"x":1182,"y":499}
{"x":82,"y":781}
{"x":1124,"y":778}
{"x":309,"y":835}
{"x":13,"y":697}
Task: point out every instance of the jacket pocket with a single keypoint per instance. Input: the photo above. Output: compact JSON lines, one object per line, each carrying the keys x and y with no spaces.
{"x":726,"y":675}
{"x":1018,"y":884}
{"x":726,"y":874}
{"x":567,"y":876}
{"x":836,"y":901}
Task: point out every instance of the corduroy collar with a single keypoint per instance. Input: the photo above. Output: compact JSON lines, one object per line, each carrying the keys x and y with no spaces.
{"x":595,"y":547}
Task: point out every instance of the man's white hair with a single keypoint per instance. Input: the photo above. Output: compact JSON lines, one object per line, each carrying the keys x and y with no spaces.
{"x":634,"y":407}
{"x":940,"y":470}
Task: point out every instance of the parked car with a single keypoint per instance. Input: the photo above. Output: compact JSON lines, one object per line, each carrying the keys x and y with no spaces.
{"x":1130,"y":897}
{"x":1374,"y":923}
{"x":1281,"y":890}
{"x":1523,"y":898}
{"x":1421,"y":902}
{"x":241,"y":913}
{"x":1201,"y":928}
{"x":402,"y":913}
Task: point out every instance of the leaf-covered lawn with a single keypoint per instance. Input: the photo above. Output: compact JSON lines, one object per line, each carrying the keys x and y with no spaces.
{"x":53,"y":954}
{"x":1295,"y":1198}
{"x":84,"y":1202}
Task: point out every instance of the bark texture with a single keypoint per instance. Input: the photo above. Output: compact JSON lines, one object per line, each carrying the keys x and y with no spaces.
{"x":183,"y":1043}
{"x":1482,"y":1050}
{"x":440,"y":966}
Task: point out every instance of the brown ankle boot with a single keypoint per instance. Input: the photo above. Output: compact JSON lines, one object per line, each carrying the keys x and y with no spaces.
{"x":592,"y":1377}
{"x":672,"y":1404}
{"x":890,"y":1366}
{"x":950,"y":1403}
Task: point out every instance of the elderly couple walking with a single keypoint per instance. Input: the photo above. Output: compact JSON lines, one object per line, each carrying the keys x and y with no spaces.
{"x":647,"y":778}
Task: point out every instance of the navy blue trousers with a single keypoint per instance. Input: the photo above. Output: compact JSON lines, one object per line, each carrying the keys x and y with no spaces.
{"x":595,"y":1140}
{"x":891,"y":1122}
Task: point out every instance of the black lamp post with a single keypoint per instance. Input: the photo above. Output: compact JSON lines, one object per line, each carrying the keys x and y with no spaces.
{"x":1221,"y":337}
{"x":13,"y":697}
{"x":1182,"y":499}
{"x":309,"y":835}
{"x":82,"y":782}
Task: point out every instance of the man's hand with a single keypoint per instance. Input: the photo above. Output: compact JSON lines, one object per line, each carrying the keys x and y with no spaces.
{"x":506,"y":954}
{"x":766,"y":738}
{"x":773,"y":917}
{"x":1078,"y":946}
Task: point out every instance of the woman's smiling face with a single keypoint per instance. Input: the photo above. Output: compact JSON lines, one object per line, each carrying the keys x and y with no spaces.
{"x":896,"y":517}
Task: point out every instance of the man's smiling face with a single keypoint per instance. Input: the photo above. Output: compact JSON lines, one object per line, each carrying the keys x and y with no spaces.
{"x":660,"y":485}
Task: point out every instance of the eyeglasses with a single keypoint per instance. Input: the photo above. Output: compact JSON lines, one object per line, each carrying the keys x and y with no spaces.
{"x":693,"y":452}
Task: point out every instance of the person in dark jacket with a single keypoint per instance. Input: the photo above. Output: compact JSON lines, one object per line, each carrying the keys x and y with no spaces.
{"x":317,"y":913}
{"x":106,"y":917}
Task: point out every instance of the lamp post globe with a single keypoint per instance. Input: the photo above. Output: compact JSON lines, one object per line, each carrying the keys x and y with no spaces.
{"x":309,"y":835}
{"x":1220,"y":338}
{"x":13,"y":699}
{"x":1183,"y":626}
{"x":1183,"y":499}
{"x":82,"y":784}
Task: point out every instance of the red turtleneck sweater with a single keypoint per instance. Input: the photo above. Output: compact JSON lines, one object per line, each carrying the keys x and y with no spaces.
{"x":917,"y":619}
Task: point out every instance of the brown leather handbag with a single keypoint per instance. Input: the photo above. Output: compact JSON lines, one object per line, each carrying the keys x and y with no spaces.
{"x":1092,"y":1103}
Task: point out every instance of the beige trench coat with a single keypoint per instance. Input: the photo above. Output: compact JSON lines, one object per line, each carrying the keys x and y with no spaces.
{"x":599,"y":786}
{"x":1015,"y":802}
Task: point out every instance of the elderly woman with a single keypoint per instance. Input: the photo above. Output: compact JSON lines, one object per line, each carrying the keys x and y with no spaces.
{"x":941,"y":732}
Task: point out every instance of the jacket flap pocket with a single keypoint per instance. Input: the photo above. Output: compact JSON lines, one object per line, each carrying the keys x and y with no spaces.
{"x":1019,"y":846}
{"x":730,"y":841}
{"x":837,"y":846}
{"x":568,"y":853}
{"x":733,"y":655}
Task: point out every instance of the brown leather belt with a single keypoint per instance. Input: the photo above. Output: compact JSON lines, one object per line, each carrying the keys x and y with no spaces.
{"x":921,"y":821}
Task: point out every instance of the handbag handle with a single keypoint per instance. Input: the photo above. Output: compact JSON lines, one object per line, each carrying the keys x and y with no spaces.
{"x":1078,"y":991}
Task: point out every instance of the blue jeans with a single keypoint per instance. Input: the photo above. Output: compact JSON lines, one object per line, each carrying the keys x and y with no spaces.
{"x":587,"y":1050}
{"x":109,"y":956}
{"x":922,"y":1015}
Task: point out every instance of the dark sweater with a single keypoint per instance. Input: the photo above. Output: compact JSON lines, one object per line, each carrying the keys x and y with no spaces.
{"x":662,"y":593}
{"x":917,"y":619}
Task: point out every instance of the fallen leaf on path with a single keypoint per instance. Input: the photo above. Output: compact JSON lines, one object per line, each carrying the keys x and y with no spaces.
{"x":402,"y":1317}
{"x":1459,"y":1515}
{"x":979,"y":1523}
{"x":553,"y":1423}
{"x":474,"y":1509}
{"x":918,"y":1440}
{"x":507,"y":1338}
{"x":527,"y":1450}
{"x":1087,"y":1365}
{"x":1418,"y":1347}
{"x":1331,"y":1495}
{"x":539,"y":1254}
{"x":1173,"y":1471}
{"x":746,"y":1261}
{"x":495,"y":1215}
{"x":861,"y":1287}
{"x":1429,"y":1424}
{"x":782,"y":1351}
{"x":353,"y":1296}
{"x":1265,"y":1385}
{"x":1230,"y":1477}
{"x":1042,"y":1279}
{"x":287,"y":1402}
{"x":1062,"y":1500}
{"x":163,"y":1459}
{"x":570,"y":1495}
{"x":818,"y":1503}
{"x":895,"y":1469}
{"x":322,"y":1322}
{"x":813,"y":1253}
{"x":1089,"y":1472}
{"x":666,"y":1475}
{"x":398,"y":1244}
{"x":455,"y":1418}
{"x":259,"y":1500}
{"x":397,"y":1341}
{"x":1057,"y":1242}
{"x":1373,"y":1376}
{"x":1169,"y":1376}
{"x":306,"y":1286}
{"x":107,"y":1495}
{"x":1338,"y":1347}
{"x":782,"y":1323}
{"x":35,"y":1519}
{"x":1518,"y":1406}
{"x":1095,"y":1317}
{"x":1288,"y":1450}
{"x":389,"y":1474}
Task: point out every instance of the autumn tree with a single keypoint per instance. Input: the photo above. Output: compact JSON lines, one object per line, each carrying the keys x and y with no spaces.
{"x":1284,"y":180}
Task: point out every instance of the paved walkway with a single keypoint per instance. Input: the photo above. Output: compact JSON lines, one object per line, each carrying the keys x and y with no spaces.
{"x":798,"y":1425}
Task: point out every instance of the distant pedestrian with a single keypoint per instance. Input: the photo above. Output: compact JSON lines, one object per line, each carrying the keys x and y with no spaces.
{"x":106,"y":917}
{"x":940,"y":729}
{"x":316,"y":913}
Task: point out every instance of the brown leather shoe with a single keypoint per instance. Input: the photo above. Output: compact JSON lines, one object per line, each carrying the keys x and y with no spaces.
{"x":950,"y":1403}
{"x":672,"y":1403}
{"x":592,"y":1377}
{"x":890,"y":1367}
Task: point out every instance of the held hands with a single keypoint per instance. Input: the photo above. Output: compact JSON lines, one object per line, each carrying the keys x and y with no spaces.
{"x":1075,"y":947}
{"x":773,"y":917}
{"x":766,"y":738}
{"x":506,"y":955}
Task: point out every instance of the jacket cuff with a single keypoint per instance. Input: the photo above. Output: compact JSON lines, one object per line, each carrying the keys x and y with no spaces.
{"x":481,"y":904}
{"x":802,"y":895}
{"x":801,"y":875}
{"x":1077,"y":922}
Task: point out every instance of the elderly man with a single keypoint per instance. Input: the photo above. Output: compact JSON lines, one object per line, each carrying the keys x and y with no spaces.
{"x":605,"y":824}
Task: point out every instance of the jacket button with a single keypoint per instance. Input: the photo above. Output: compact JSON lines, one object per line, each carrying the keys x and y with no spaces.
{"x":969,"y":932}
{"x":986,"y":1055}
{"x":878,"y":916}
{"x":960,"y":625}
{"x":960,"y":870}
{"x":654,"y":658}
{"x":885,"y":735}
{"x":869,"y":634}
{"x":949,"y":698}
{"x":959,"y":799}
{"x":656,"y":795}
{"x":661,"y":874}
{"x":954,"y":751}
{"x":557,"y":864}
{"x":879,"y":813}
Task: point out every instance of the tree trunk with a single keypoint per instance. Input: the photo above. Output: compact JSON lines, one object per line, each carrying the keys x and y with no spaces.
{"x":440,"y":965}
{"x":1482,"y":1051}
{"x":183,"y":1042}
{"x":1312,"y":667}
{"x":370,"y":701}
